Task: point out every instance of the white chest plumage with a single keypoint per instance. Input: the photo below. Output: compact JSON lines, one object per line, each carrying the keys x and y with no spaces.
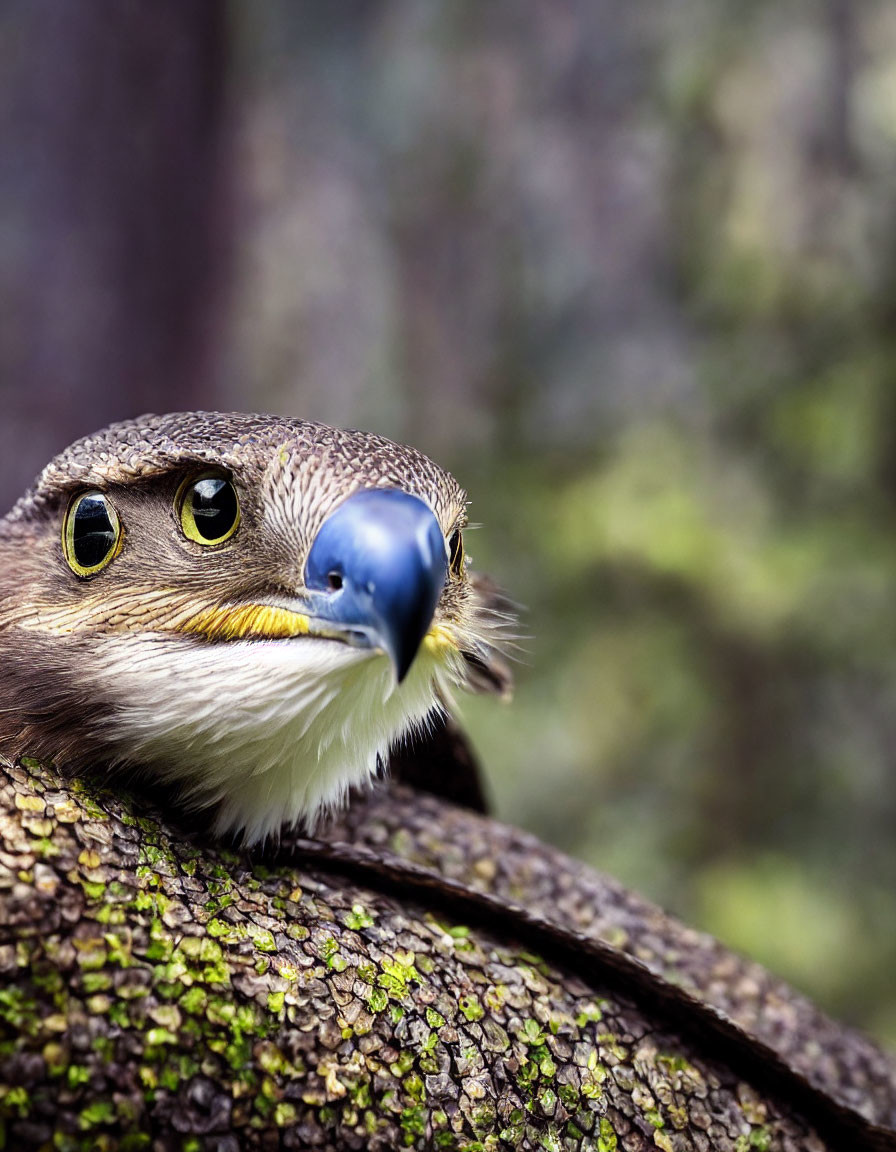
{"x":271,"y":732}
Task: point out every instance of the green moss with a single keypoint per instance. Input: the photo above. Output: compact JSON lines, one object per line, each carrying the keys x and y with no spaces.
{"x":20,"y":1011}
{"x":156,"y":1036}
{"x":285,"y":1114}
{"x":109,"y":914}
{"x":588,"y":1015}
{"x":367,"y":973}
{"x":359,"y":1091}
{"x":222,"y":930}
{"x":470,"y":1007}
{"x":168,"y":990}
{"x":262,"y":939}
{"x":358,"y":918}
{"x":515,"y":1130}
{"x":414,"y":1087}
{"x":530,"y":1032}
{"x":48,"y":980}
{"x":527,"y":1074}
{"x":93,"y":889}
{"x":402,"y":1065}
{"x":270,"y":1058}
{"x":413,"y":1121}
{"x":56,"y":1059}
{"x":169,"y":1077}
{"x":16,"y":1100}
{"x":91,"y":956}
{"x":194,"y":1000}
{"x":151,"y":854}
{"x":328,"y":949}
{"x":606,"y":1141}
{"x":97,"y":1112}
{"x":673,"y":1063}
{"x":591,"y":1085}
{"x":98,"y":1005}
{"x":221,"y":1011}
{"x":90,"y":807}
{"x":135,"y":1141}
{"x":148,"y":1077}
{"x":397,"y":973}
{"x":483,"y":1118}
{"x":496,"y":997}
{"x":678,"y":1116}
{"x":569,"y":1096}
{"x":92,"y":982}
{"x":214,"y":974}
{"x":377,"y":1000}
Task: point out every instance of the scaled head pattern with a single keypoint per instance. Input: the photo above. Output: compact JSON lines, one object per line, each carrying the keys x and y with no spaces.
{"x":250,"y":608}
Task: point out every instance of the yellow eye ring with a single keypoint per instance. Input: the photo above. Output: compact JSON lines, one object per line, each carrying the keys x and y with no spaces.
{"x":208,"y":508}
{"x":91,"y":533}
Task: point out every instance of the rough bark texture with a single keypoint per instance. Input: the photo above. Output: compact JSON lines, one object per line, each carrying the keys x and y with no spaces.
{"x":425,"y":978}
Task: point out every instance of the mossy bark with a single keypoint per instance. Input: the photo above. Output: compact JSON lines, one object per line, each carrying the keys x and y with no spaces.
{"x":163,"y":993}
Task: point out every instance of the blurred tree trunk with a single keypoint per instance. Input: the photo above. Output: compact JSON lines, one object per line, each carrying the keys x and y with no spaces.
{"x":115,"y":197}
{"x":843,"y":43}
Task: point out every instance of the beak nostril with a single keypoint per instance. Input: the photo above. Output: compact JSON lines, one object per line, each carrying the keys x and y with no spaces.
{"x":375,"y":571}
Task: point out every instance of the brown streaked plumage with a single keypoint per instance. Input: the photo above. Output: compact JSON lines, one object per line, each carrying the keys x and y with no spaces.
{"x":205,"y":666}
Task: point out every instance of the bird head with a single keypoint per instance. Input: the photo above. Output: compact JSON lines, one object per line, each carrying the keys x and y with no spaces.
{"x":249,"y":607}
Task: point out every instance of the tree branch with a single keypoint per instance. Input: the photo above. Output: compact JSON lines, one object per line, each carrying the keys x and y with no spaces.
{"x":400,"y":985}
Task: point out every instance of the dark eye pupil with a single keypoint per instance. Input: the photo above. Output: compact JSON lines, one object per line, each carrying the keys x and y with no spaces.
{"x":214,"y":507}
{"x":455,"y":552}
{"x":93,"y":533}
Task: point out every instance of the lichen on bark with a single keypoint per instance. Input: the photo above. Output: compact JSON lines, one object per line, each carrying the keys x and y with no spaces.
{"x":163,"y":993}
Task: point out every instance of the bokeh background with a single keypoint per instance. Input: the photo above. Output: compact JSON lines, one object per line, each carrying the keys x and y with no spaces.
{"x":629,"y":270}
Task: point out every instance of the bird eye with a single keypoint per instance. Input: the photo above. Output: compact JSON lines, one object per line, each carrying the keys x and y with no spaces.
{"x":208,"y":508}
{"x":456,"y":553}
{"x":91,"y":533}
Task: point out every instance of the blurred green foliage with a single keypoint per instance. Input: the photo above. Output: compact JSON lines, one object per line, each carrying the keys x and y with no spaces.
{"x":629,"y":271}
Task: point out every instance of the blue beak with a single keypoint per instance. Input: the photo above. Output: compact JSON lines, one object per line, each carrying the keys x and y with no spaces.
{"x":376,"y":571}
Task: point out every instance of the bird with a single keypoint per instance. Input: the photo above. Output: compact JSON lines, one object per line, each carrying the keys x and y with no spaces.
{"x":249,"y":610}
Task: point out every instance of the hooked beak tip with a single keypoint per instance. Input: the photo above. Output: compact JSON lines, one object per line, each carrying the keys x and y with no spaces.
{"x":387,"y":549}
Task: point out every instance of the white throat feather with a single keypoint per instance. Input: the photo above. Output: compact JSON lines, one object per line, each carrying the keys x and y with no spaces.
{"x":269,"y":732}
